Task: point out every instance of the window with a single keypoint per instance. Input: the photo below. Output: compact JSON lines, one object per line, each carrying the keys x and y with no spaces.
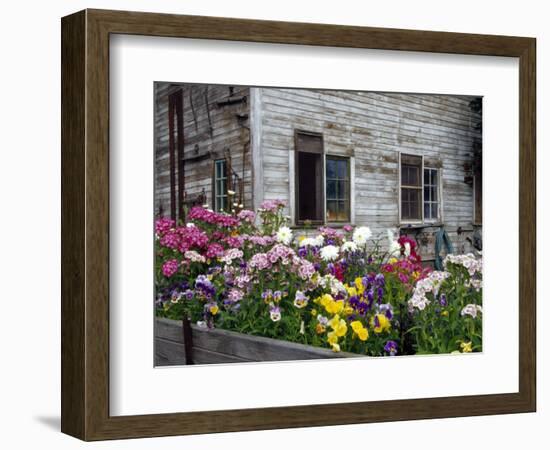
{"x":220,"y":185}
{"x":322,"y":183}
{"x":309,"y":177}
{"x":420,"y":191}
{"x":337,"y":189}
{"x":411,"y":188}
{"x":431,"y":195}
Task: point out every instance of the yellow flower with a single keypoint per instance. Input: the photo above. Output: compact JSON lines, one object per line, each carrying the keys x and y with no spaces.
{"x":383,"y":323}
{"x":361,"y":332}
{"x":392,"y":260}
{"x":301,"y":238}
{"x":466,"y":347}
{"x":444,"y":313}
{"x":335,"y":348}
{"x":332,"y":338}
{"x":326,"y":299}
{"x":359,"y":286}
{"x":320,"y":329}
{"x":313,"y":312}
{"x":348,"y":310}
{"x":333,"y":307}
{"x":338,"y":325}
{"x":214,"y":310}
{"x":352,"y":292}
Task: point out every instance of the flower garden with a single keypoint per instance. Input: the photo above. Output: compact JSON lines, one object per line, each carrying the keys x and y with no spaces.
{"x":344,"y":289}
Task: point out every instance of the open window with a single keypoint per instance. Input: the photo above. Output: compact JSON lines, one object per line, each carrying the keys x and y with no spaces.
{"x":309,"y":177}
{"x":420,"y":191}
{"x":411,"y":188}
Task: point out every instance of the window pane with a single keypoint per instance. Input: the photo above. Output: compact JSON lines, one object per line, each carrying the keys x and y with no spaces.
{"x":331,"y":168}
{"x":433,"y":196}
{"x":331,"y":189}
{"x":342,"y":190}
{"x":410,"y":176}
{"x":343,"y":211}
{"x":414,"y":176}
{"x":405,"y":210}
{"x":427,"y":193}
{"x":405,"y":175}
{"x":410,"y":204}
{"x":342,"y":168}
{"x":427,"y":211}
{"x":332,"y":210}
{"x":427,"y":176}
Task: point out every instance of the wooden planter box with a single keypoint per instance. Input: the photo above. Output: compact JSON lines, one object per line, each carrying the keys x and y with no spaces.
{"x":221,"y":346}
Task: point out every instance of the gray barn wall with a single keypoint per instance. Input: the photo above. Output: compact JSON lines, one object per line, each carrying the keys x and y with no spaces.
{"x":373,"y":128}
{"x":227,"y":132}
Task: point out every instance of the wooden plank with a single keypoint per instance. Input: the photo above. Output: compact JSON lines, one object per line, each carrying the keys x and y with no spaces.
{"x":259,"y":348}
{"x":73,"y":225}
{"x":242,"y":346}
{"x":169,"y":353}
{"x":204,"y":356}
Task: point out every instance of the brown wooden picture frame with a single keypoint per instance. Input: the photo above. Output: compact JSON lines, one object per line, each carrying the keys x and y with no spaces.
{"x":85,"y":224}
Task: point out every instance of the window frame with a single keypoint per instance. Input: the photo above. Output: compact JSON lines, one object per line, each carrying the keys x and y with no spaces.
{"x":215,"y":181}
{"x":421,"y":189}
{"x":295,"y":204}
{"x":439,"y":202}
{"x":296,"y":194}
{"x":348,"y":179}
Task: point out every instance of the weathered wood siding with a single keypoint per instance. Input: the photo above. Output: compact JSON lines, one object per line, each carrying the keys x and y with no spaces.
{"x":209,"y":130}
{"x":373,"y":128}
{"x":217,"y":346}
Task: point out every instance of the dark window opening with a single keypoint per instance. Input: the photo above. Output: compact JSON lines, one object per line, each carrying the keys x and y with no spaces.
{"x":309,"y":177}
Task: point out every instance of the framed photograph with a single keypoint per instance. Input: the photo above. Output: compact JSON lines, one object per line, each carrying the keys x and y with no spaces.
{"x":273,"y":225}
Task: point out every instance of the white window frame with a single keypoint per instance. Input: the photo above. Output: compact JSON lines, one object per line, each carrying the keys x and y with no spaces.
{"x":216,"y":180}
{"x":439,"y":217}
{"x":411,"y":222}
{"x":422,"y":220}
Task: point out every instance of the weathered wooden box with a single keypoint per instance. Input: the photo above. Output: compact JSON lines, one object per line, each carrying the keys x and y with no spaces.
{"x":221,"y":346}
